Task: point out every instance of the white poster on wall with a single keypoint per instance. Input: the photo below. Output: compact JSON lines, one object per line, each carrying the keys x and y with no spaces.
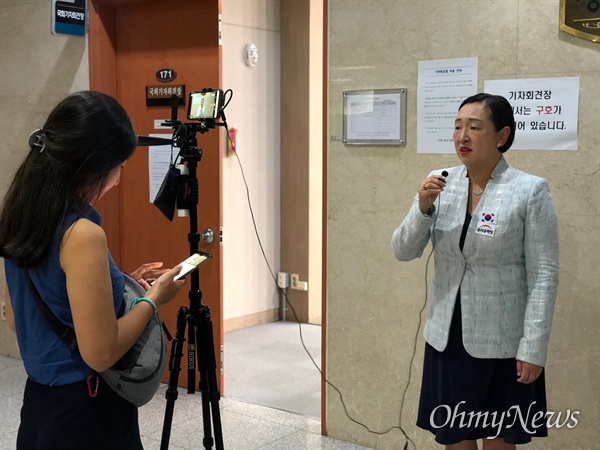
{"x":159,"y":159}
{"x":442,"y":86}
{"x":545,"y":109}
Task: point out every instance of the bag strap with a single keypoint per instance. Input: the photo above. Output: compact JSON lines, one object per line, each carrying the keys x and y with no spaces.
{"x":65,"y":333}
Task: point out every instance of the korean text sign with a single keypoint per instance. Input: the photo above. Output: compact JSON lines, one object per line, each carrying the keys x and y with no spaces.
{"x":545,"y":109}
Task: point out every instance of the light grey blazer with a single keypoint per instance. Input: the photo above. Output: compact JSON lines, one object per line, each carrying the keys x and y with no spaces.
{"x":507,"y":272}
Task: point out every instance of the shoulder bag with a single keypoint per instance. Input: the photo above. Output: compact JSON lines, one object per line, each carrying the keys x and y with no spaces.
{"x":137,"y":375}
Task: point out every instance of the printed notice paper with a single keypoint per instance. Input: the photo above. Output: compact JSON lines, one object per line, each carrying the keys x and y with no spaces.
{"x":443,"y":85}
{"x":159,"y":158}
{"x":545,"y":109}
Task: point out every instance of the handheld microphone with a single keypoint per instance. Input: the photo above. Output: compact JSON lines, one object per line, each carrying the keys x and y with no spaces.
{"x":444,"y":174}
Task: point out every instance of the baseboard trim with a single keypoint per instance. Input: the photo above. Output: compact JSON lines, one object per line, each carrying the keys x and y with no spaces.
{"x":239,"y":323}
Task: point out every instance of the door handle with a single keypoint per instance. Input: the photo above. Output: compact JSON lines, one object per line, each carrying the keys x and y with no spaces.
{"x":208,"y":236}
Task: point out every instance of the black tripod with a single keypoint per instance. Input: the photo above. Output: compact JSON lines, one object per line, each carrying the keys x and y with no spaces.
{"x":201,"y":348}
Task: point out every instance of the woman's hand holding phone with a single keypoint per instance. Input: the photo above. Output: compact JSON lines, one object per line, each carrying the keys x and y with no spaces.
{"x":147,"y":273}
{"x":164,"y":289}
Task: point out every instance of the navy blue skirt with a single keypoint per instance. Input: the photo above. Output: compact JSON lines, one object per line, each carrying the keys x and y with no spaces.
{"x":467,"y":398}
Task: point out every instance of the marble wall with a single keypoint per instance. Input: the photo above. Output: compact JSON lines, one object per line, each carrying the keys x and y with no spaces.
{"x":37,"y":70}
{"x":374,"y":303}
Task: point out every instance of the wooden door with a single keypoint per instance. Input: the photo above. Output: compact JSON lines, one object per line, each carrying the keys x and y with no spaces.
{"x":129,"y":41}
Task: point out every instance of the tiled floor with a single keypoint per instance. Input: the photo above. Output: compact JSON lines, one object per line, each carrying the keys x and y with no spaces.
{"x":268,"y":365}
{"x":245,"y":424}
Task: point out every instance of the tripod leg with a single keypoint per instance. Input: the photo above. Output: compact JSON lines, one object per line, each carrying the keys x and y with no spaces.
{"x":214,"y":397}
{"x":207,"y":442}
{"x":174,"y":369}
{"x":208,"y":379}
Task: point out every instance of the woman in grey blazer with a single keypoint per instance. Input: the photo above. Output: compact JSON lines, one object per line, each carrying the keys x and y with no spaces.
{"x":494,"y":234}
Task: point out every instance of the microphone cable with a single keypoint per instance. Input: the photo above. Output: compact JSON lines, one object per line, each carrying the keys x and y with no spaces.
{"x":416,"y":338}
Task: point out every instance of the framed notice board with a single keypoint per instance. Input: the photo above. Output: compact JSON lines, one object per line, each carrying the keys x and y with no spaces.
{"x":375,"y":117}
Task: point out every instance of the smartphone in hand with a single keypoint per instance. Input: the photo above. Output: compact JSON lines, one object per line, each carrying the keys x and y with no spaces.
{"x":192,"y":263}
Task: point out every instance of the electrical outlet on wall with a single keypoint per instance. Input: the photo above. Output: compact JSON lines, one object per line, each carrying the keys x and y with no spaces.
{"x":295,"y":279}
{"x":3,"y":311}
{"x":283,"y":280}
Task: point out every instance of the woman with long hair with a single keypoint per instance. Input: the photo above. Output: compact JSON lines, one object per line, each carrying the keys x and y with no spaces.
{"x":48,"y":226}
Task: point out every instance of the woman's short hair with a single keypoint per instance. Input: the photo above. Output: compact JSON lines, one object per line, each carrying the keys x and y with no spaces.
{"x":501,"y":114}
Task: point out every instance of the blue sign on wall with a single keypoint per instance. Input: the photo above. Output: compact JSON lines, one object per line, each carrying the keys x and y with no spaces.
{"x":69,"y":17}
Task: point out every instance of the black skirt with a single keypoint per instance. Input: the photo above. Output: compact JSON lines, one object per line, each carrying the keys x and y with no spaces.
{"x":467,"y":398}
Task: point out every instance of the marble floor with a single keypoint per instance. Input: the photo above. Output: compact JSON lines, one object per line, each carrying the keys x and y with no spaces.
{"x":264,"y":408}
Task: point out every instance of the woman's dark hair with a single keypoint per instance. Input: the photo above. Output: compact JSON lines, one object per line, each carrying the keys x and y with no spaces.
{"x":86,"y":136}
{"x":501,"y":111}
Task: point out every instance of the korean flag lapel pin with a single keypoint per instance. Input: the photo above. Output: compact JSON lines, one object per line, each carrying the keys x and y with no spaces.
{"x":486,"y":225}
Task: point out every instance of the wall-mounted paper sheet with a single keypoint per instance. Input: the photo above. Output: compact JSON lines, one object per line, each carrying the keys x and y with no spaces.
{"x":159,"y":158}
{"x":443,"y":85}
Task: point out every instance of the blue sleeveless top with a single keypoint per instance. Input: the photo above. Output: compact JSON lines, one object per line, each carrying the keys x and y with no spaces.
{"x":46,"y":358}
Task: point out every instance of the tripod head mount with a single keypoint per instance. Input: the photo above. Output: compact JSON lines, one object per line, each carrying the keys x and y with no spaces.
{"x":179,"y":188}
